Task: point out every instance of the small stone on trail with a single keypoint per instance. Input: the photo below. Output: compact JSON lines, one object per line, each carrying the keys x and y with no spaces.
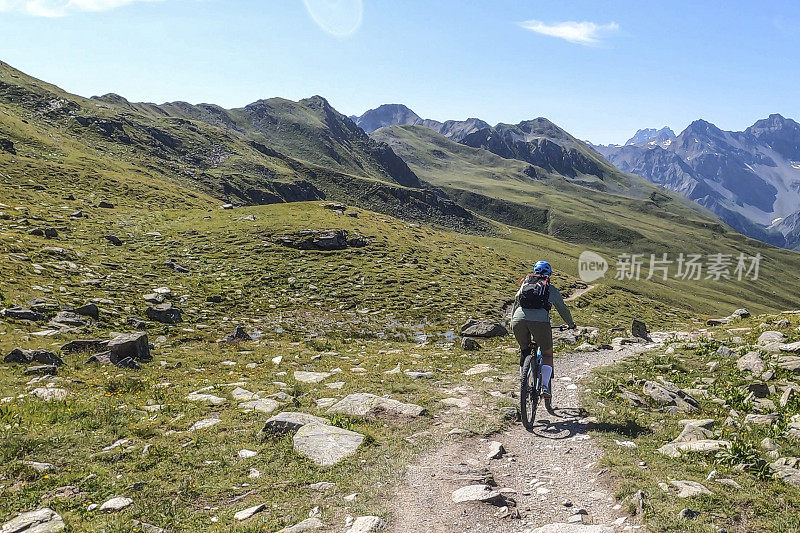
{"x":476,"y":493}
{"x":496,"y":450}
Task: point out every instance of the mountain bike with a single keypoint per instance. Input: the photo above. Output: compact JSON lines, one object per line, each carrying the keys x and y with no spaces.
{"x":531,"y":384}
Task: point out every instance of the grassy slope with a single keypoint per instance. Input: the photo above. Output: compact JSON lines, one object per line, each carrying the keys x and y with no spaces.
{"x":607,"y":223}
{"x":759,"y":503}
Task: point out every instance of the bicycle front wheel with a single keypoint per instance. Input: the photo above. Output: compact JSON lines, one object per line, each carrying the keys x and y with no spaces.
{"x":529,"y":392}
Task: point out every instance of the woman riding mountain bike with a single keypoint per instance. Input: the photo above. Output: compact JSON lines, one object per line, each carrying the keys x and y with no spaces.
{"x":530,"y":319}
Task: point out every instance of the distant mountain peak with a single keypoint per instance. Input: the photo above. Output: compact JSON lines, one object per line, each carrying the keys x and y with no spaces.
{"x":652,"y":136}
{"x":387,"y":115}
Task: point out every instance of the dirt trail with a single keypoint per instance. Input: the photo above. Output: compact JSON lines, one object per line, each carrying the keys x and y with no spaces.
{"x":557,"y":462}
{"x":578,"y":293}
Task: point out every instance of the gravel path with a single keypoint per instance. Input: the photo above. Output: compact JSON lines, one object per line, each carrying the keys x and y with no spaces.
{"x":557,"y":462}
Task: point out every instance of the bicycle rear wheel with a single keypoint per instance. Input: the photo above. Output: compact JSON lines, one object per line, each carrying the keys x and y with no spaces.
{"x":529,"y":391}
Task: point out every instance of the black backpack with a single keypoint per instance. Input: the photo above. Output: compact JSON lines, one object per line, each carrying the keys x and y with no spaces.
{"x":535,"y":293}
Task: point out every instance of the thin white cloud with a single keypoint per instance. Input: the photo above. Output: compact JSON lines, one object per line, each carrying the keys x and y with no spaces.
{"x":585,"y":33}
{"x":61,"y":8}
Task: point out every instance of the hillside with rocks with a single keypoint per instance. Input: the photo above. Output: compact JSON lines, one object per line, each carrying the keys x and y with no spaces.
{"x":262,"y":319}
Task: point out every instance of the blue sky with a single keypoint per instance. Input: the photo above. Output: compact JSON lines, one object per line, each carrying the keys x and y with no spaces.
{"x":601,"y":70}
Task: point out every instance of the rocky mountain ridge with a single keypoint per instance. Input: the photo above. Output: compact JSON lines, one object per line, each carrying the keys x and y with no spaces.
{"x":750,"y":179}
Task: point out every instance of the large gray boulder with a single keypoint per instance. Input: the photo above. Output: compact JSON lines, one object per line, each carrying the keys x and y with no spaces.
{"x":751,"y":362}
{"x":40,"y":521}
{"x":326,"y":445}
{"x":132,"y":346}
{"x":364,"y":404}
{"x":769,"y":337}
{"x":483,"y":328}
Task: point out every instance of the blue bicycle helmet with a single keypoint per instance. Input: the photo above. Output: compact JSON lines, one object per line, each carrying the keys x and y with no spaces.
{"x":542,"y":268}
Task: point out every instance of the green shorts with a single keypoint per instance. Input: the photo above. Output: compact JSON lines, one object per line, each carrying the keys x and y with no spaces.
{"x":540,"y":332}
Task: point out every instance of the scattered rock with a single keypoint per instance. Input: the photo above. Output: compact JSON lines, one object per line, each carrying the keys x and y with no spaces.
{"x":786,"y":470}
{"x":481,"y":368}
{"x":369,"y":405}
{"x":113,"y":239}
{"x":25,"y":357}
{"x":237,"y":335}
{"x":133,"y":346}
{"x":105,"y":205}
{"x":306,"y":525}
{"x":50,"y":394}
{"x":761,"y":420}
{"x":261,"y":405}
{"x":310,"y":377}
{"x":174,"y":265}
{"x":476,"y":493}
{"x":289,"y":422}
{"x":470,"y":344}
{"x":639,"y":329}
{"x":496,"y":450}
{"x":68,"y":318}
{"x":367,"y":524}
{"x":40,"y":521}
{"x":326,"y":445}
{"x":19,"y":313}
{"x":205,"y":398}
{"x":769,"y":337}
{"x":687,"y":489}
{"x":164,"y":313}
{"x":751,"y":362}
{"x":244,"y":514}
{"x":116,"y":504}
{"x":668,"y":393}
{"x":790,"y":363}
{"x":204,"y":423}
{"x":724,"y":351}
{"x":688,"y":514}
{"x":41,"y":370}
{"x":483,"y":328}
{"x":741,"y":313}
